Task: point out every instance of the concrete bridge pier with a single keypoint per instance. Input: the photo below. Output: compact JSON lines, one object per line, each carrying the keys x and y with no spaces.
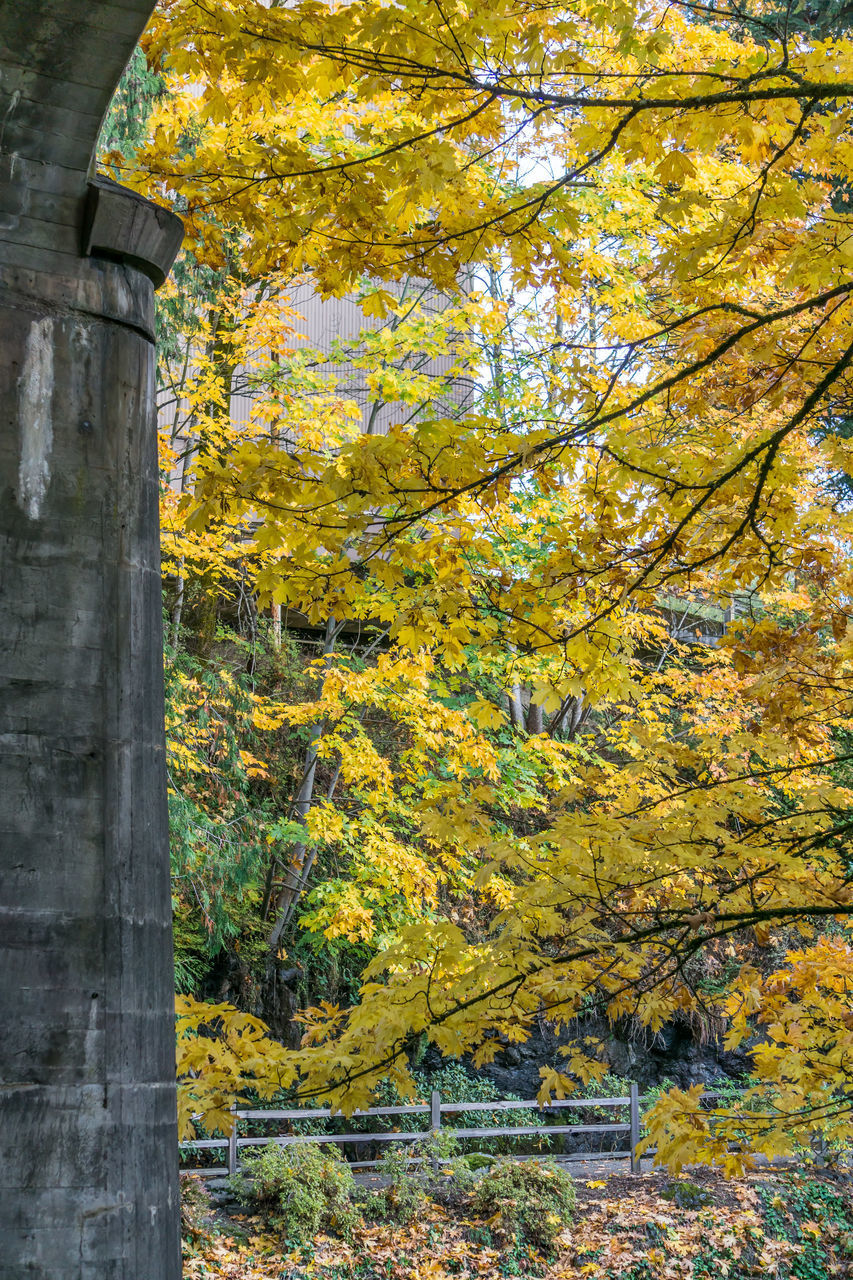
{"x":88,"y":1151}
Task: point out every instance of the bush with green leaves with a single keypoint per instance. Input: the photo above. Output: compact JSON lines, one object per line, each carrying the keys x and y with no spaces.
{"x":402,"y":1195}
{"x":411,"y":1173}
{"x":455,"y":1084}
{"x":652,"y":1094}
{"x":450,"y":1175}
{"x":531,"y":1199}
{"x":301,"y":1189}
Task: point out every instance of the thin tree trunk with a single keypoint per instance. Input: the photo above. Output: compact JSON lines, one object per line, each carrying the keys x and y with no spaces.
{"x":178,"y":607}
{"x":516,"y":709}
{"x":275,"y":610}
{"x":275,"y":441}
{"x":572,"y":714}
{"x":297,"y":870}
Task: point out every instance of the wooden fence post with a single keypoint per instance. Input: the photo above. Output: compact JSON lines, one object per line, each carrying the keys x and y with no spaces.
{"x":232,"y":1144}
{"x":635,"y":1127}
{"x":818,"y":1146}
{"x":434,"y":1120}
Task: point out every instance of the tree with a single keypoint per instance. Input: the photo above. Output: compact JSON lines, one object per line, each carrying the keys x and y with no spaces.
{"x":672,"y":190}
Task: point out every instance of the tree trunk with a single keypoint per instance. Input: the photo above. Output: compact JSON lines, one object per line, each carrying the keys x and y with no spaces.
{"x":275,"y":630}
{"x":534,"y":718}
{"x":516,"y":707}
{"x":301,"y":861}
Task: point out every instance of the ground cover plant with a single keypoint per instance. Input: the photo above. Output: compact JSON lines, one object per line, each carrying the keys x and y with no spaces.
{"x":529,"y":1202}
{"x":785,"y":1226}
{"x":303,"y":1189}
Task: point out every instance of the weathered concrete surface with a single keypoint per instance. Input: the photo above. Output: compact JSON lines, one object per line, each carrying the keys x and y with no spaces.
{"x":88,"y":1176}
{"x":122,"y":226}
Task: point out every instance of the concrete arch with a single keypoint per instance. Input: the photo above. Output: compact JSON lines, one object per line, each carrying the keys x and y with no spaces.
{"x":60,"y":61}
{"x":88,"y":1174}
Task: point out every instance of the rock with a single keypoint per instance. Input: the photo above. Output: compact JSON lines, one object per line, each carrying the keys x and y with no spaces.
{"x":672,"y":1054}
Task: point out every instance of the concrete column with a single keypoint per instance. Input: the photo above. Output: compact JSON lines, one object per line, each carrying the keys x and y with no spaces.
{"x":88,"y":1173}
{"x":88,"y":1144}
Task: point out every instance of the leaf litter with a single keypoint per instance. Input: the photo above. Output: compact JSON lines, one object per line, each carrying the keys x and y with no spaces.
{"x":775,"y":1225}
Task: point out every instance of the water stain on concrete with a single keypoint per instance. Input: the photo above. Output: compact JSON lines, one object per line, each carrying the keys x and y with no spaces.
{"x":35,"y":389}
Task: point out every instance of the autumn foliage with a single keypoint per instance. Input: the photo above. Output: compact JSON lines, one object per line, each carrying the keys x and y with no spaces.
{"x":539,"y":796}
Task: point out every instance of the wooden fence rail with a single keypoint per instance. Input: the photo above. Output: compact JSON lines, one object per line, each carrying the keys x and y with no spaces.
{"x":434,"y":1109}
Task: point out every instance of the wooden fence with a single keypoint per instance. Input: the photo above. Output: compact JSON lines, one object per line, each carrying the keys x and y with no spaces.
{"x":434,"y":1109}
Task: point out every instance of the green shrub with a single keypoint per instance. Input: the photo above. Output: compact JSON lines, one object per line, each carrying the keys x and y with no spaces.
{"x":442,"y":1176}
{"x":653,"y":1094}
{"x":534,"y":1199}
{"x":302,"y":1189}
{"x":455,"y":1084}
{"x":449,"y":1176}
{"x":402,"y":1197}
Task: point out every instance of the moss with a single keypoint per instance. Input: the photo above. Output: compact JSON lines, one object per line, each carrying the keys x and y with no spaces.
{"x":687,"y":1195}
